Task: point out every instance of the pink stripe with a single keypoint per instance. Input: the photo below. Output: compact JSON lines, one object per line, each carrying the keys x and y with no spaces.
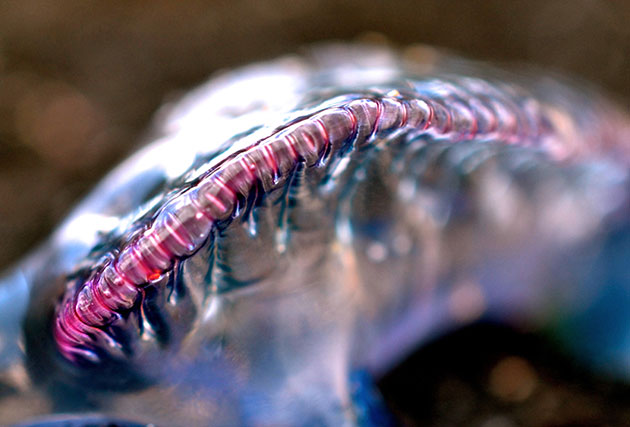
{"x":224,"y":185}
{"x":137,"y":256}
{"x":270,"y":158}
{"x":199,"y":208}
{"x":498,"y":116}
{"x":121,"y":274}
{"x":153,"y":238}
{"x":289,"y":142}
{"x":405,"y":114}
{"x":96,"y":291}
{"x":175,"y":232}
{"x":216,"y":201}
{"x":353,"y":119}
{"x":323,"y":131}
{"x":248,"y":168}
{"x":377,"y":118}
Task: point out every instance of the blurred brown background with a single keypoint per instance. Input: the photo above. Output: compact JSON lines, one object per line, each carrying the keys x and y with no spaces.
{"x":80,"y":79}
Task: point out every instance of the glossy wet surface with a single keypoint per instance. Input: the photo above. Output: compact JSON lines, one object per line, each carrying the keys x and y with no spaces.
{"x":43,"y":186}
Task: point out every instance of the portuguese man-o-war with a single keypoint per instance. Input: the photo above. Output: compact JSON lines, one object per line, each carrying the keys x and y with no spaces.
{"x":296,"y":223}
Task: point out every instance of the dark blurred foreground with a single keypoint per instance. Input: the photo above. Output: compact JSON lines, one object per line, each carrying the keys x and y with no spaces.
{"x":80,"y":81}
{"x":488,"y":375}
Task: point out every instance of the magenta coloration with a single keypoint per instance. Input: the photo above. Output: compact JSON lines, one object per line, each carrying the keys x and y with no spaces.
{"x":295,"y":229}
{"x":183,"y":224}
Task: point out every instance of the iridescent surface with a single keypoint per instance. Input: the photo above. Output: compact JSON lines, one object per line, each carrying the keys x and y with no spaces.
{"x":504,"y":199}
